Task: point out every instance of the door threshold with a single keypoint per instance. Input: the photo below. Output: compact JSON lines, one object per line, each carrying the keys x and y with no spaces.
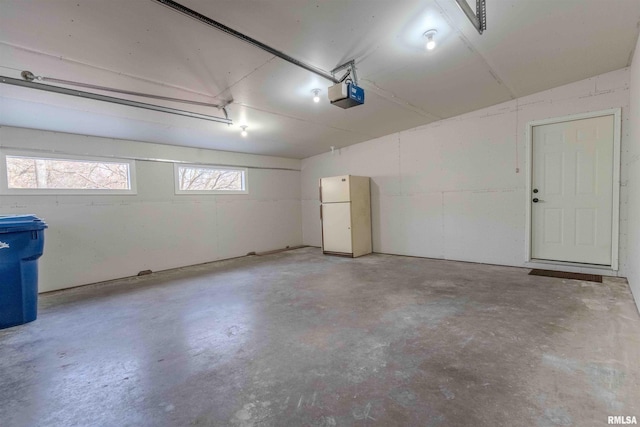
{"x":575,"y":267}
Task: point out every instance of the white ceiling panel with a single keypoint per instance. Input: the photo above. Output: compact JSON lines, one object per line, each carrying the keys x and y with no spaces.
{"x":534,"y":45}
{"x":326,"y":33}
{"x":453,"y":80}
{"x":141,"y":45}
{"x":136,"y":38}
{"x":282,"y":87}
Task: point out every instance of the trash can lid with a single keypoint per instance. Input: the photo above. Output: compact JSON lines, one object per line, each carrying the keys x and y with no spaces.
{"x":17,"y":223}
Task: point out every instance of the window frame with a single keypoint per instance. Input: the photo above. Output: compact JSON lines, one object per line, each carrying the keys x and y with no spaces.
{"x":176,"y":179}
{"x":4,"y":175}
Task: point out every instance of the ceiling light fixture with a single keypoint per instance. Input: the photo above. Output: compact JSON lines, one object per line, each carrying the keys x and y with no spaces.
{"x":244,"y":130}
{"x":431,"y":43}
{"x":316,"y":95}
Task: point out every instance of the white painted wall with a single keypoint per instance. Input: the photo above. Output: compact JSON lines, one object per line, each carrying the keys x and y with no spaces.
{"x":450,"y":189}
{"x":96,"y":238}
{"x":633,"y":180}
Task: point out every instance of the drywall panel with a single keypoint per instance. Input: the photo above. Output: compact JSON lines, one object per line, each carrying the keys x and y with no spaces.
{"x":101,"y":241}
{"x":97,"y":238}
{"x":256,"y":226}
{"x":409,"y":225}
{"x":480,"y":152}
{"x":462,"y":180}
{"x":585,"y":95}
{"x":314,"y":171}
{"x":484,"y":226}
{"x":633,"y":180}
{"x":380,"y":160}
{"x":312,"y":226}
{"x":421,"y":160}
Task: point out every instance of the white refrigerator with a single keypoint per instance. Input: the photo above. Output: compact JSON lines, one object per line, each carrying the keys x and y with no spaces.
{"x":345,"y":213}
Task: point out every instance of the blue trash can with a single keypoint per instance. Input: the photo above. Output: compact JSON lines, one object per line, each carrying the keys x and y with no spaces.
{"x":21,"y":244}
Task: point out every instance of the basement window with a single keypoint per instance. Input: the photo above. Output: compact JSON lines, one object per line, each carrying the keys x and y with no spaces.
{"x":53,"y":174}
{"x":200,"y":179}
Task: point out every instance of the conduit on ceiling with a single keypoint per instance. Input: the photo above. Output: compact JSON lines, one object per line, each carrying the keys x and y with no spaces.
{"x":29,"y":76}
{"x":113,"y":100}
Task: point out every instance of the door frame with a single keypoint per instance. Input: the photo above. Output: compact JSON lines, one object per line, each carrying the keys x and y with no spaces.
{"x":615,"y":213}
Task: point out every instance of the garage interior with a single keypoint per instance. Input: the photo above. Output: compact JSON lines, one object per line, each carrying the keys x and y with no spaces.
{"x":163,"y":303}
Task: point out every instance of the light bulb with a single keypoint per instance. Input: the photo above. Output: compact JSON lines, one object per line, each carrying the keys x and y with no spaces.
{"x":316,"y":98}
{"x":244,"y":130}
{"x":431,"y":43}
{"x":316,"y":95}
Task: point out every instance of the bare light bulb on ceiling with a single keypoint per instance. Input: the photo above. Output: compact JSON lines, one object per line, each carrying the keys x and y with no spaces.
{"x":431,"y":43}
{"x":244,"y":130}
{"x":316,"y":95}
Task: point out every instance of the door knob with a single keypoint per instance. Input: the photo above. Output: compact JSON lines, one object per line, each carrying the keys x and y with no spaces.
{"x":535,"y":200}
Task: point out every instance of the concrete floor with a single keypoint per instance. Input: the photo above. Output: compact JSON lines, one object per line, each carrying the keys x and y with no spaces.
{"x":301,"y":339}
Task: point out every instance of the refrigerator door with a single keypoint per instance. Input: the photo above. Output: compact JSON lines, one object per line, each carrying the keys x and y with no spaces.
{"x":336,"y":228}
{"x":334,"y":189}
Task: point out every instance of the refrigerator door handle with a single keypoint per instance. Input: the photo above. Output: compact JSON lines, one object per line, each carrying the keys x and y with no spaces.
{"x":320,"y":212}
{"x":320,"y":193}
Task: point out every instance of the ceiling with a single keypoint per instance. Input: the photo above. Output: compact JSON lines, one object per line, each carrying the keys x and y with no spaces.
{"x":140,"y":45}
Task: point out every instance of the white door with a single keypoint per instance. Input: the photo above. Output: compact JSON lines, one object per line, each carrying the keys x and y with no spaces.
{"x":336,"y":227}
{"x":572,"y":191}
{"x":335,"y":189}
